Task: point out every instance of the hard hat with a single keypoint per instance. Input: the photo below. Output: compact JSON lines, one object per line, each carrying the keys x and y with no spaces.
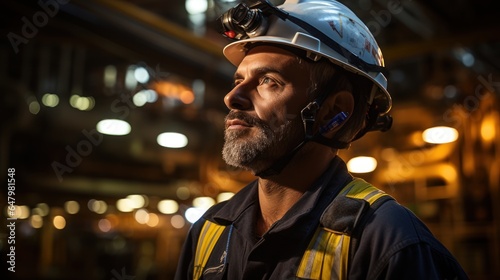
{"x":322,"y":28}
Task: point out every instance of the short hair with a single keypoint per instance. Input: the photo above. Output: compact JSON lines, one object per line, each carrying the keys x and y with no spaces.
{"x":322,"y":73}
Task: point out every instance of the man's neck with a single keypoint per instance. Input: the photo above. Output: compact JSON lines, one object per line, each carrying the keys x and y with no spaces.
{"x":277,"y":194}
{"x":275,"y":200}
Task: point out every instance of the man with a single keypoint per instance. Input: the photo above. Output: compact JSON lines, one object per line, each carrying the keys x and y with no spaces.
{"x":309,"y":81}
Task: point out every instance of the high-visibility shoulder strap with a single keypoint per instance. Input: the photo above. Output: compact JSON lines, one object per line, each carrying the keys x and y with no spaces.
{"x":209,"y":235}
{"x":360,"y":189}
{"x":328,"y":251}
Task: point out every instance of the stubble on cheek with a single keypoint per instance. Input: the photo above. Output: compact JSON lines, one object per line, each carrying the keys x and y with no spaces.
{"x":257,"y":147}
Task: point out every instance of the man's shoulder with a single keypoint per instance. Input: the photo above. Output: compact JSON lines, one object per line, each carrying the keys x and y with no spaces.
{"x":393,"y":225}
{"x":394,"y":217}
{"x":394,"y":234}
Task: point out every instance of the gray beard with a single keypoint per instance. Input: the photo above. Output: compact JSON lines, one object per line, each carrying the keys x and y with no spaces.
{"x":259,"y":152}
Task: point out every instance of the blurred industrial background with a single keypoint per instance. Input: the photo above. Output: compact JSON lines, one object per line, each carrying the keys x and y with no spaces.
{"x":111,"y":118}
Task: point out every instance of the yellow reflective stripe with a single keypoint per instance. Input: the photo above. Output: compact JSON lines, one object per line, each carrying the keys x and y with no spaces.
{"x":209,"y":235}
{"x":331,"y":255}
{"x":307,"y":265}
{"x":344,"y":253}
{"x":360,"y":189}
{"x":326,"y":249}
{"x":335,"y":261}
{"x":325,"y":256}
{"x":375,"y":195}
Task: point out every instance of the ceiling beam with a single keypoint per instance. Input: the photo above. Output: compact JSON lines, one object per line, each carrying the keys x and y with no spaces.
{"x":175,"y":40}
{"x":154,"y":21}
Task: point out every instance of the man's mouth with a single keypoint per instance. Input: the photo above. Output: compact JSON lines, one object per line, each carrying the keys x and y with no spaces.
{"x":236,"y":124}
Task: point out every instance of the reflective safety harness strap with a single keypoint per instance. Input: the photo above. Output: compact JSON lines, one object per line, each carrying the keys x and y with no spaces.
{"x":362,"y":190}
{"x":209,"y":235}
{"x":328,"y":251}
{"x":324,"y":256}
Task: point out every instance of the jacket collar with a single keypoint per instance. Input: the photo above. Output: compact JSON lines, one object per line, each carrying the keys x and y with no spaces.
{"x":319,"y":195}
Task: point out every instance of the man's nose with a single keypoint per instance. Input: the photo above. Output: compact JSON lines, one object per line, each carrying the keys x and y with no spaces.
{"x":238,"y":98}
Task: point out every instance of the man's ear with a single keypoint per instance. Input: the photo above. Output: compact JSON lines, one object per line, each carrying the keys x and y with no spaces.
{"x":341,"y":101}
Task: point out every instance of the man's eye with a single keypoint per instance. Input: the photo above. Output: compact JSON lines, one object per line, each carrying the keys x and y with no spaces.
{"x":266,"y":80}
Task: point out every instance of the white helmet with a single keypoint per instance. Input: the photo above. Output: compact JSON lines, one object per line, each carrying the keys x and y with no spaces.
{"x":322,"y":28}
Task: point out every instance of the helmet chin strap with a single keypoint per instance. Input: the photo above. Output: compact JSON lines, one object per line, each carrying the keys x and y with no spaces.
{"x":308,"y":118}
{"x":280,"y":164}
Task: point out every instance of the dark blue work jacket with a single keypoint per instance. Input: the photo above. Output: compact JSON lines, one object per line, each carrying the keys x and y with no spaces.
{"x":392,"y":244}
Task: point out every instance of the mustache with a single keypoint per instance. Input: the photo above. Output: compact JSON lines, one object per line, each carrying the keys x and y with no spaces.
{"x":253,"y":121}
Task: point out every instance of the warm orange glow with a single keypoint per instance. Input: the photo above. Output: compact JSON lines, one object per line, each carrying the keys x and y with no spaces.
{"x":388,"y":154}
{"x":113,"y":220}
{"x":187,"y":97}
{"x":153,"y":220}
{"x":174,"y":90}
{"x":416,"y":139}
{"x":488,"y":128}
{"x":448,"y":171}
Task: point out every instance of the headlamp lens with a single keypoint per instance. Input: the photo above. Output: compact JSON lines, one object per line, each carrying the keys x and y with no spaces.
{"x":242,"y":22}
